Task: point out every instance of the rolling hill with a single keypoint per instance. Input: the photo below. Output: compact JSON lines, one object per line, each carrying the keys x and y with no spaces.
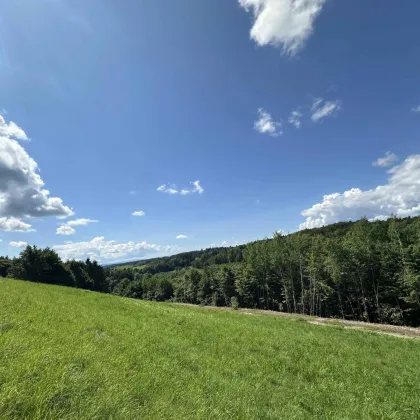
{"x":68,"y":353}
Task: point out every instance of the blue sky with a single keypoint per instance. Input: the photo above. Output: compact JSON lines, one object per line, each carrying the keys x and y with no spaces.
{"x":279,"y":108}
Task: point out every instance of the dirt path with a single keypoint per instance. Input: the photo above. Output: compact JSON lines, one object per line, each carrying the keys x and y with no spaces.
{"x":394,"y":330}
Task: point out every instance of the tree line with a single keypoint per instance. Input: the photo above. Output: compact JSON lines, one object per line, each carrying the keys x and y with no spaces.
{"x":365,"y":271}
{"x":45,"y":266}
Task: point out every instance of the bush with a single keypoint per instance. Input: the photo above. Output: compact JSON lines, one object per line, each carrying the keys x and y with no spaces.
{"x":234,"y":303}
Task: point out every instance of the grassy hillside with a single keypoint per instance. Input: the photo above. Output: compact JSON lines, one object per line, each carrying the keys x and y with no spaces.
{"x":67,"y":353}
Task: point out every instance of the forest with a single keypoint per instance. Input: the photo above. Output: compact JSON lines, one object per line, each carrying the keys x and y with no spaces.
{"x":364,"y":271}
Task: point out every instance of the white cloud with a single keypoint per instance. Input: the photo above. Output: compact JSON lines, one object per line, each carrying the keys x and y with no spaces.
{"x":168,"y":189}
{"x":182,"y":237}
{"x":100,"y":249}
{"x":80,"y":222}
{"x":266,"y":125}
{"x":18,"y":244}
{"x":14,"y":225}
{"x":197,"y":187}
{"x":388,"y":160}
{"x":222,"y":244}
{"x":65,"y":230}
{"x":138,"y":213}
{"x":11,"y":130}
{"x":295,"y":118}
{"x":321,"y":109}
{"x":283,"y":23}
{"x":173,"y":189}
{"x":22,"y":192}
{"x":400,"y":196}
{"x":416,"y":109}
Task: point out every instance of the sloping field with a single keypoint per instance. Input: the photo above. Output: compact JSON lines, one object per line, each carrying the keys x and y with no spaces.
{"x":71,"y":354}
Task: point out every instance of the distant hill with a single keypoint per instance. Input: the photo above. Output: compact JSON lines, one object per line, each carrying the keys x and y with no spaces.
{"x":220,"y":255}
{"x":198,"y":259}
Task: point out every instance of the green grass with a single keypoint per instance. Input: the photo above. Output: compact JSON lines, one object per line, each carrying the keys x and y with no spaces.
{"x":72,"y":354}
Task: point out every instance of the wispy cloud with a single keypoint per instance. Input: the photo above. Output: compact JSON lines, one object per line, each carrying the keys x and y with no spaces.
{"x":322,"y":109}
{"x":388,"y":160}
{"x":295,"y":118}
{"x":168,"y":189}
{"x":283,"y":23}
{"x":173,"y":189}
{"x":226,"y":244}
{"x":416,"y":109}
{"x":81,"y":222}
{"x":266,"y":125}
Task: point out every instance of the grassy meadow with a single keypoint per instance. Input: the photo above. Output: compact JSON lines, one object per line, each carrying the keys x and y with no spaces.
{"x":71,"y":354}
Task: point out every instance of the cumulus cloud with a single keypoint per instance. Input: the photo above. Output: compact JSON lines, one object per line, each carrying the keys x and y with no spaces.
{"x":182,"y":237}
{"x":67,"y":228}
{"x":11,"y":130}
{"x":283,"y":23}
{"x":173,"y":189}
{"x":14,"y":225}
{"x":100,"y":249}
{"x":400,"y":196}
{"x":388,"y":160}
{"x":138,"y":213}
{"x":295,"y":118}
{"x":322,"y":109}
{"x":18,"y":244}
{"x":266,"y":125}
{"x":22,"y":192}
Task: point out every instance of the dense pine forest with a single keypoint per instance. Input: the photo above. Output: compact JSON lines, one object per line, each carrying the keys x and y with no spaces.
{"x":365,"y":271}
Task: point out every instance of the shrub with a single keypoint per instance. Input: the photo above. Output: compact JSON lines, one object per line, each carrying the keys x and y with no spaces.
{"x":234,"y":303}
